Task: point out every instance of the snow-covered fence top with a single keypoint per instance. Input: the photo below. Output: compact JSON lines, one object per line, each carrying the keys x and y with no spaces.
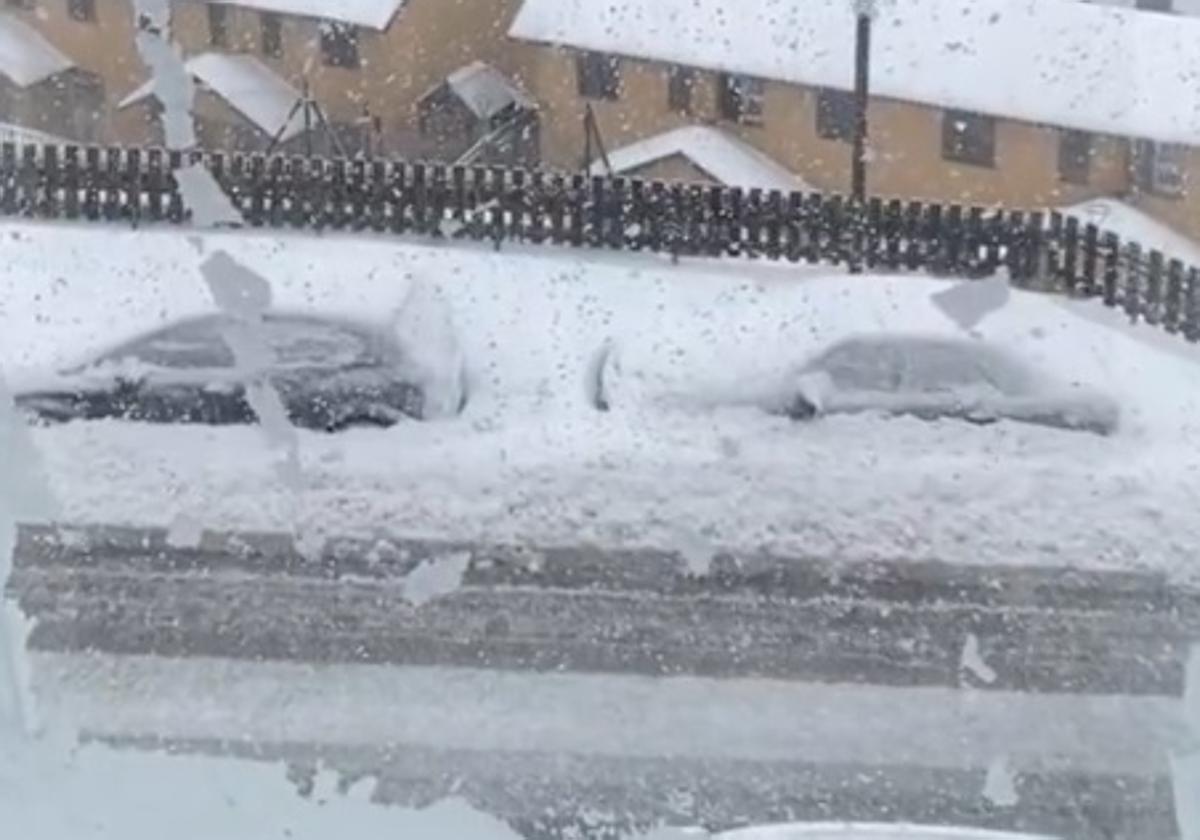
{"x":1047,"y":251}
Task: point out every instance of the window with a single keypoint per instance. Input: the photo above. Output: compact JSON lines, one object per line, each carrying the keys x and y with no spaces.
{"x":679,"y":88}
{"x":20,"y":4}
{"x":836,"y":115}
{"x":82,"y":10}
{"x":969,"y":138}
{"x":742,"y":98}
{"x":1074,"y":156}
{"x":339,"y":44}
{"x":599,"y":75}
{"x":218,"y":25}
{"x":270,"y":30}
{"x":1159,"y":167}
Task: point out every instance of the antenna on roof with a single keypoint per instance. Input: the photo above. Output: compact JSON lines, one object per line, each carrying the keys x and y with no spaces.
{"x":313,"y":112}
{"x":591,"y":134}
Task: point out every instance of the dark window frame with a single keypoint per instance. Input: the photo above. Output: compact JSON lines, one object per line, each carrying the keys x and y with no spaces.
{"x":83,"y":11}
{"x":974,"y":144}
{"x":598,"y":75}
{"x":341,"y":45}
{"x":681,"y":85}
{"x":218,"y":25}
{"x":270,"y":34}
{"x":1075,"y":156}
{"x":837,"y":114}
{"x":743,"y":98}
{"x":1161,"y":168}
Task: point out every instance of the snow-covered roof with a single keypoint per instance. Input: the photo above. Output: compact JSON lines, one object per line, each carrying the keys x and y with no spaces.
{"x":1070,"y":64}
{"x":723,"y":157}
{"x":485,"y":90}
{"x":27,"y":58}
{"x":374,"y":14}
{"x":250,"y":87}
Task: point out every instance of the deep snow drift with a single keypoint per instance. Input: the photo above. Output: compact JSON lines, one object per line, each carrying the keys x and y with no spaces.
{"x":532,"y":460}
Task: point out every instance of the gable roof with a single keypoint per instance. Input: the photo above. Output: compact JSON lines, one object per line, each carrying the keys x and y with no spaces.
{"x":250,"y":87}
{"x":27,"y":58}
{"x":373,"y":14}
{"x":721,"y":156}
{"x":485,"y":90}
{"x":1060,"y":62}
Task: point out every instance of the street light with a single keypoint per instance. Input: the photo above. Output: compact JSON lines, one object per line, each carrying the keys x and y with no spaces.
{"x":864,"y":11}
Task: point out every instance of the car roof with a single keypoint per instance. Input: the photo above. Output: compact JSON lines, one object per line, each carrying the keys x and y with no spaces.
{"x":361,"y":328}
{"x":993,"y":358}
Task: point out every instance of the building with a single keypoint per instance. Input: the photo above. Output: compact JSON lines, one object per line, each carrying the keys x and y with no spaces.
{"x":369,"y":66}
{"x":368,"y":76}
{"x":60,"y":64}
{"x":980,"y":101}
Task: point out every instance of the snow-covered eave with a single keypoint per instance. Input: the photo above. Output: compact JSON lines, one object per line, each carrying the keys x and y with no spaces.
{"x":377,"y":15}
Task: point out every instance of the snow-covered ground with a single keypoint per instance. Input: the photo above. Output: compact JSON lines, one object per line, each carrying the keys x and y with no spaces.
{"x":50,"y":789}
{"x":1134,"y":225}
{"x":530,"y":460}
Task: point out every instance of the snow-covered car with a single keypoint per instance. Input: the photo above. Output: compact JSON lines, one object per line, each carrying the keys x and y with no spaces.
{"x":935,"y":378}
{"x":329,"y":374}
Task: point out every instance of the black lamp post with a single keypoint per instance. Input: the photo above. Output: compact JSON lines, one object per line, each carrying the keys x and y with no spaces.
{"x":864,"y":11}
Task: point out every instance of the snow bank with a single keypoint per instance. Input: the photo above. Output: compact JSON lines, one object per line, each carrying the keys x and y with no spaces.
{"x":423,"y":327}
{"x":531,"y":459}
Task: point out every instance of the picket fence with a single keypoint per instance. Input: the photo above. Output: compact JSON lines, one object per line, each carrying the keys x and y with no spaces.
{"x":1049,"y":252}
